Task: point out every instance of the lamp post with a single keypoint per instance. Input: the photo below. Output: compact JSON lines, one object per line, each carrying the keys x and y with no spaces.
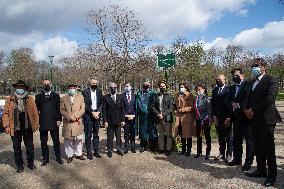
{"x":51,"y":67}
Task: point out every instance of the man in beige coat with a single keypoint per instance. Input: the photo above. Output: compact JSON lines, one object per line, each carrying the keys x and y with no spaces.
{"x":72,"y":108}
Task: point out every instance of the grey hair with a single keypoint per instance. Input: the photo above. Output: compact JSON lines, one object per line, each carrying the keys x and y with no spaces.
{"x":111,"y":84}
{"x":93,"y":79}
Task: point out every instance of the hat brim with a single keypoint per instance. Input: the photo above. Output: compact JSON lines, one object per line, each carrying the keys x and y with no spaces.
{"x":22,"y":85}
{"x":71,"y":86}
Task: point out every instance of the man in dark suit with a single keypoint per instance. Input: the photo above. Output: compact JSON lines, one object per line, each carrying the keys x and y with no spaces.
{"x":260,"y":109}
{"x":48,"y":105}
{"x":221,"y":117}
{"x":129,"y":106}
{"x":113,"y":118}
{"x":241,"y":127}
{"x":93,"y":104}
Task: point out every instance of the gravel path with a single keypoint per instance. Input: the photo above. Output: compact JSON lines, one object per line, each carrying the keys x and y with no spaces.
{"x":144,"y":170}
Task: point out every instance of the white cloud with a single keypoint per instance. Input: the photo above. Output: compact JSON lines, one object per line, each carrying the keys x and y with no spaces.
{"x":271,"y":36}
{"x":167,"y":18}
{"x":56,"y":46}
{"x":164,"y":18}
{"x":218,"y":42}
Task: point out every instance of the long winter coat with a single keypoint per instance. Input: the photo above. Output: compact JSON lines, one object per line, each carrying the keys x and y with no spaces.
{"x":185,"y":118}
{"x":68,"y":110}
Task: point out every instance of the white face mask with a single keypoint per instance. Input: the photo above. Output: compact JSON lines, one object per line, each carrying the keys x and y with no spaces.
{"x":200,"y":92}
{"x":71,"y":92}
{"x":127,"y":89}
{"x":182,"y":90}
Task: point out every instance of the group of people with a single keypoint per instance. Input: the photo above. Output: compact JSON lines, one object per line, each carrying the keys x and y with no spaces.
{"x":244,"y":110}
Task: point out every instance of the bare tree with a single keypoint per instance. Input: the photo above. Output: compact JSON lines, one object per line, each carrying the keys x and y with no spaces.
{"x":119,"y":35}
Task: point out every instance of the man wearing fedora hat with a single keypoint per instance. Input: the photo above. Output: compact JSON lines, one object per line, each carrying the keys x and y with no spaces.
{"x":259,"y":107}
{"x":20,"y":120}
{"x":72,"y":108}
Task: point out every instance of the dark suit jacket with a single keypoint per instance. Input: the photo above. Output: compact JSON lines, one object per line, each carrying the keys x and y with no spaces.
{"x":167,"y":107}
{"x":239,"y":98}
{"x":262,"y":101}
{"x":220,"y":104}
{"x":88,"y":101}
{"x":49,"y":110}
{"x":129,"y":108}
{"x":113,"y":112}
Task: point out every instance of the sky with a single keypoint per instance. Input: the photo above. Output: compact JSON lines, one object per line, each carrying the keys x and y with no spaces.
{"x":55,"y":27}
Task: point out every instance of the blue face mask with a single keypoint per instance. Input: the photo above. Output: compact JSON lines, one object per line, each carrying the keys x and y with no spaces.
{"x":20,"y":91}
{"x":255,"y":71}
{"x":71,"y":92}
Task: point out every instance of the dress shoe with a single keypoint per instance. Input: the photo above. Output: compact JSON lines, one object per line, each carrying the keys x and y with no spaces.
{"x":20,"y":169}
{"x":32,"y":166}
{"x":120,"y":153}
{"x":168,"y":153}
{"x":97,"y":155}
{"x":80,"y":157}
{"x":90,"y":157}
{"x":109,"y":154}
{"x":257,"y":174}
{"x":133,"y":150}
{"x":182,"y":153}
{"x":269,"y":182}
{"x":126,"y":151}
{"x":44,"y":163}
{"x":197,"y":155}
{"x":207,"y":156}
{"x":228,"y":159}
{"x":234,"y":162}
{"x":160,"y":151}
{"x":69,"y":160}
{"x":187,"y":153}
{"x":246,"y":168}
{"x":220,"y":157}
{"x":59,"y":160}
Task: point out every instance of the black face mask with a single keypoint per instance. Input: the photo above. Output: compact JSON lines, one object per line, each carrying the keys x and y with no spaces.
{"x":94,"y":87}
{"x":46,"y":87}
{"x":162,"y":90}
{"x":112,"y":91}
{"x":237,"y":79}
{"x":146,"y":87}
{"x":219,"y":83}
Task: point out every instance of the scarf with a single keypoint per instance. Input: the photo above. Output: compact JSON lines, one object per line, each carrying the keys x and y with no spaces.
{"x":21,"y":101}
{"x":21,"y":107}
{"x":200,"y":114}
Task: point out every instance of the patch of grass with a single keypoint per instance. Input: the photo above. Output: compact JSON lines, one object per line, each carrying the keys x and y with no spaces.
{"x":280,"y":96}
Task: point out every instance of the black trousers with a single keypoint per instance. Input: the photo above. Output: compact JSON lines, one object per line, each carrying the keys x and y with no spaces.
{"x":264,"y":146}
{"x":27,"y":136}
{"x":91,"y":129}
{"x":129,"y":133}
{"x":242,"y":130}
{"x":111,"y":131}
{"x":207,"y":129}
{"x":56,"y":143}
{"x":224,"y":138}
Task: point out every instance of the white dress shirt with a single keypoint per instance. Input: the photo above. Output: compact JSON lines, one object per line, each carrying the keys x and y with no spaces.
{"x":221,"y":89}
{"x":257,"y":81}
{"x":94,"y":99}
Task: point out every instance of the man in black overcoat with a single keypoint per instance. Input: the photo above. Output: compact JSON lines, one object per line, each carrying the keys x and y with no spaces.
{"x":48,"y":105}
{"x":260,"y":109}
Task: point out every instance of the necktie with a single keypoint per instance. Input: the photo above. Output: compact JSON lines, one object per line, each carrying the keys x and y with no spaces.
{"x":128,"y":98}
{"x":220,"y":90}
